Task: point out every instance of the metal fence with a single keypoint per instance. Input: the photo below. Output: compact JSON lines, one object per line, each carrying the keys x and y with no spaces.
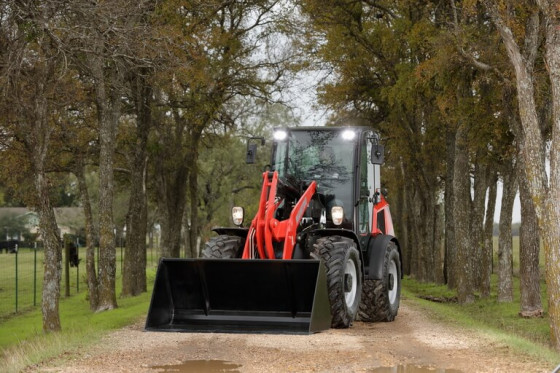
{"x":21,"y":277}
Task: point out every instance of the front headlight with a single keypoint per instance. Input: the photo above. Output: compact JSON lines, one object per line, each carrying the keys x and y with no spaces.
{"x":237,"y":214}
{"x":337,"y":214}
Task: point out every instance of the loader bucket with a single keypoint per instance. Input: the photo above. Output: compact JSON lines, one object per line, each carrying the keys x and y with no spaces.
{"x":239,"y":296}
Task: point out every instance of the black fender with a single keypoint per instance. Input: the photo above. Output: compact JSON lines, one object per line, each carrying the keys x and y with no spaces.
{"x":232,"y":231}
{"x":336,"y":232}
{"x":377,"y":248}
{"x":324,"y":232}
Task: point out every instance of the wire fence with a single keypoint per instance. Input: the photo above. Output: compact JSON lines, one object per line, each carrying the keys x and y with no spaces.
{"x":21,"y":276}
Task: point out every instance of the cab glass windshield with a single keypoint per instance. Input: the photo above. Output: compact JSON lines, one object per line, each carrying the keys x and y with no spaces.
{"x":322,"y":155}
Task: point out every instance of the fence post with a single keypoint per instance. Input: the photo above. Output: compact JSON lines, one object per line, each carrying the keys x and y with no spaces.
{"x":16,"y":279}
{"x":78,"y":277}
{"x":35,"y":276}
{"x":67,"y":268}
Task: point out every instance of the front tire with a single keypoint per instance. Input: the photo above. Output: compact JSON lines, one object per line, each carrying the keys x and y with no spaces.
{"x":223,"y":247}
{"x":344,"y":277}
{"x":381,"y":298}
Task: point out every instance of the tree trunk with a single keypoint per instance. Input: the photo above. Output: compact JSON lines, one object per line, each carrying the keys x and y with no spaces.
{"x":52,"y":254}
{"x":428,"y":230}
{"x":450,"y":249}
{"x":550,"y":214}
{"x":400,"y":217}
{"x":461,"y":211}
{"x":433,"y":249}
{"x":173,"y":176}
{"x":477,"y":220}
{"x":108,"y":111}
{"x":420,"y":239}
{"x":505,"y":245}
{"x":439,"y":244}
{"x":134,"y":266}
{"x":423,"y":213}
{"x":172,"y":208}
{"x":193,"y":195}
{"x":91,"y":274}
{"x":529,"y":247}
{"x":488,"y":250}
{"x":414,"y":235}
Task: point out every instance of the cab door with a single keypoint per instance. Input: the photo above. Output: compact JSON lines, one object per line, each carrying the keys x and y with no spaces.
{"x":366,"y":189}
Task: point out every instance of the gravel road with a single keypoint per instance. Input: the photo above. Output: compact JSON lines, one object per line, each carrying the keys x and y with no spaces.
{"x":414,"y":343}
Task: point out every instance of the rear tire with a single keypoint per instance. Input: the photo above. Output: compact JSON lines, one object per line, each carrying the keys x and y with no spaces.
{"x":344,"y":277}
{"x":222,"y":247}
{"x":381,"y":298}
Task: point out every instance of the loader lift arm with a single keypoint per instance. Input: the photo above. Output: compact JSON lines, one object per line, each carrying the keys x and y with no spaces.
{"x":265,"y":228}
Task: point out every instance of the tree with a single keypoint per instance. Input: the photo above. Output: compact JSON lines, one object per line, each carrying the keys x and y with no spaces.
{"x":505,"y":243}
{"x":92,"y":281}
{"x":100,"y":39}
{"x":134,"y":268}
{"x":377,"y":84}
{"x":36,"y":88}
{"x":461,"y":208}
{"x":529,"y":248}
{"x":488,"y":250}
{"x":544,"y":190}
{"x":217,"y":58}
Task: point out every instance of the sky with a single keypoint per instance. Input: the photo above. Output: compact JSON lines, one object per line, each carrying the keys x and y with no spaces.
{"x":516,"y":215}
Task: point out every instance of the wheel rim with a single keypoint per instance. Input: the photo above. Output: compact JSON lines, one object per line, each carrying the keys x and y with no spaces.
{"x":393,"y":281}
{"x":350,"y":273}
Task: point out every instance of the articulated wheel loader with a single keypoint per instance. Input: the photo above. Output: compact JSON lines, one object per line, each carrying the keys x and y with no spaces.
{"x":319,"y":253}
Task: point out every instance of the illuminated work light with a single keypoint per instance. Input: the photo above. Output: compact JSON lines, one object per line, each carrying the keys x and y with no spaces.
{"x":348,"y":135}
{"x":337,"y":214}
{"x":237,"y":214}
{"x":280,"y":135}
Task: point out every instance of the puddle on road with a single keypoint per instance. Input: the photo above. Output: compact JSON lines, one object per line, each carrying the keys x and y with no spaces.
{"x":202,"y":366}
{"x":412,"y":369}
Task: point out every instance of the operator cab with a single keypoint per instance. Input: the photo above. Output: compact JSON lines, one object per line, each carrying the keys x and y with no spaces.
{"x":339,"y":160}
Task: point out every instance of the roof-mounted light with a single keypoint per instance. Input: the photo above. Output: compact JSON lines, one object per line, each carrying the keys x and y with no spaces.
{"x":280,"y":135}
{"x":348,"y":135}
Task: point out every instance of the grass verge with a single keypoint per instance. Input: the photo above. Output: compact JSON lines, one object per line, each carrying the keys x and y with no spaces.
{"x":23,"y":343}
{"x":499,"y":321}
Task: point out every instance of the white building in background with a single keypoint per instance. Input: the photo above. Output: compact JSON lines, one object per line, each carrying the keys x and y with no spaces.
{"x":70,"y":220}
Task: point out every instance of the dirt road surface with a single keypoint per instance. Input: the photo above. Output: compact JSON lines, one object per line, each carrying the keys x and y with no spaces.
{"x":413,"y":343}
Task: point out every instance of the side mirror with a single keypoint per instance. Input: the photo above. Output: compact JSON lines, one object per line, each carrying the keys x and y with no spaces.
{"x":377,"y":154}
{"x":252,"y":149}
{"x":251,"y":153}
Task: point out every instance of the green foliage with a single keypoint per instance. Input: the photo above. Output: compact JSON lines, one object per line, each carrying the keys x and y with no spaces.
{"x":10,"y":197}
{"x":64,"y":190}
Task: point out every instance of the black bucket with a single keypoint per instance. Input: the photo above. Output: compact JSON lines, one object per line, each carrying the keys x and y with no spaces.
{"x":239,"y":296}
